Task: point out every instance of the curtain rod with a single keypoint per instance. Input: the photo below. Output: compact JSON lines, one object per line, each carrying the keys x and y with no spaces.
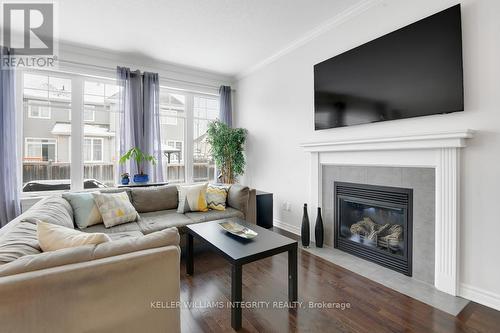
{"x":113,"y":70}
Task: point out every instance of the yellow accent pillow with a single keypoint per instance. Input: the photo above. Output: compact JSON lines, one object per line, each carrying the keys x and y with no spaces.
{"x":53,"y":237}
{"x":192,"y":198}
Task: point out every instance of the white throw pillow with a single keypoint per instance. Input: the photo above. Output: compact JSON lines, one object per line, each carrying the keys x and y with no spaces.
{"x":115,"y":208}
{"x":53,"y":237}
{"x":192,"y":198}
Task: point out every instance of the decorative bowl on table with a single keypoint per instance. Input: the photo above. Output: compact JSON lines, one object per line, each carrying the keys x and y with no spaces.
{"x":238,"y":230}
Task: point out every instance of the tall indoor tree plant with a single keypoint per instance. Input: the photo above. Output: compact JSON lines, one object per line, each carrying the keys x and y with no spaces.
{"x":227,"y":146}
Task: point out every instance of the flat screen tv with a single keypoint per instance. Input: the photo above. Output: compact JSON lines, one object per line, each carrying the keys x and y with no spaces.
{"x":414,"y":71}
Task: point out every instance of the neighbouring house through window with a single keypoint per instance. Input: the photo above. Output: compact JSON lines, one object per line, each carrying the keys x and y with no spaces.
{"x":49,"y":117}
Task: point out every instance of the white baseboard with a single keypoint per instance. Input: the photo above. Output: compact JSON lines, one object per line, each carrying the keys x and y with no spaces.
{"x":287,"y":227}
{"x":480,"y":296}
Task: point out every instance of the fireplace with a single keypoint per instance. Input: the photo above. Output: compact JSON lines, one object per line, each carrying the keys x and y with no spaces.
{"x":375,"y":223}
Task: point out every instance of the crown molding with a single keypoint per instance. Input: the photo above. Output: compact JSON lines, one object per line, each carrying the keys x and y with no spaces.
{"x":335,"y":21}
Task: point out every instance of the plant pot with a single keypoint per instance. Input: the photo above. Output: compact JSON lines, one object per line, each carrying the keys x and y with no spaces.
{"x":125,"y":181}
{"x":141,"y":178}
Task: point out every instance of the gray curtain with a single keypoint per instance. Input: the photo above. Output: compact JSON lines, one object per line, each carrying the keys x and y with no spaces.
{"x":9,"y":187}
{"x":225,"y":108}
{"x":139,"y":114}
{"x":151,"y":125}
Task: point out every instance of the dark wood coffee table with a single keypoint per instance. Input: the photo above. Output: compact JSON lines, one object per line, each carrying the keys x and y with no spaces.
{"x":239,"y":251}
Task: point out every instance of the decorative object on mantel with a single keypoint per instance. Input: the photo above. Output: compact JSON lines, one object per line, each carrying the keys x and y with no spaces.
{"x":125,"y":179}
{"x":227,"y":145}
{"x":304,"y":230}
{"x":140,"y":158}
{"x":318,"y":229}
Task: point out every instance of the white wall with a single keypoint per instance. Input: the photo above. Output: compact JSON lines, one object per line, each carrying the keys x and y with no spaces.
{"x":275,"y":103}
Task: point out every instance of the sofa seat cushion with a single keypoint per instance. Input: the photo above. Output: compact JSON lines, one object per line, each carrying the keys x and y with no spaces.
{"x":211,"y":215}
{"x":84,"y":253}
{"x":154,"y":221}
{"x":20,"y":240}
{"x":126,"y":227}
{"x":126,"y":234}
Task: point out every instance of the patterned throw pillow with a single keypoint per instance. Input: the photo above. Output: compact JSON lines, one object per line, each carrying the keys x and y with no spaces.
{"x":192,"y":198}
{"x":115,"y":208}
{"x":85,"y":210}
{"x":217,"y":196}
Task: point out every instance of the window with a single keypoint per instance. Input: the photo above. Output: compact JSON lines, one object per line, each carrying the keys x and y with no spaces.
{"x":205,"y":110}
{"x":47,"y":145}
{"x":93,"y":149}
{"x":39,"y":110}
{"x":36,"y":149}
{"x":47,"y":153}
{"x":172,"y":129}
{"x":89,"y":113}
{"x":100,"y":149}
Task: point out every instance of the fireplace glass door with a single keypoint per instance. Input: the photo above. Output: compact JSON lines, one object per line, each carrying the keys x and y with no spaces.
{"x":375,"y":223}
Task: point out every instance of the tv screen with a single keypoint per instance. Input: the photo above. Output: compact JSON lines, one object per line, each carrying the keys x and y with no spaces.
{"x":414,"y":71}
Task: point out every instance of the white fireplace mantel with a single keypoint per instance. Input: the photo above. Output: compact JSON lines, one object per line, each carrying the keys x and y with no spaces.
{"x":439,"y":150}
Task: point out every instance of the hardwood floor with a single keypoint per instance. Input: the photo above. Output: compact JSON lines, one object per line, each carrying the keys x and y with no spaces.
{"x":373,"y":307}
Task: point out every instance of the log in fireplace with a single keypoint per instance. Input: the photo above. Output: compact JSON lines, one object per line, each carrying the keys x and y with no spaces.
{"x":375,"y":223}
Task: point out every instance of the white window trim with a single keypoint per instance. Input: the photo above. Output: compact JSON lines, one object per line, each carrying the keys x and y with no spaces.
{"x":85,"y":108}
{"x":92,"y":139}
{"x":30,"y":112}
{"x":26,"y":139}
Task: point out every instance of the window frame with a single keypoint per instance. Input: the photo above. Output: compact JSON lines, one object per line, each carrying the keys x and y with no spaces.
{"x":26,"y":143}
{"x":86,"y":108}
{"x":30,"y":112}
{"x":92,"y":139}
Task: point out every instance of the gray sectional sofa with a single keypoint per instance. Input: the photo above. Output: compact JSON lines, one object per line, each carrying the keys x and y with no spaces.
{"x":119,"y":286}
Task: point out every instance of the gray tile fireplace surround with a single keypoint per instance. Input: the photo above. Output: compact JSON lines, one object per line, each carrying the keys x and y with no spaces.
{"x":422,"y":181}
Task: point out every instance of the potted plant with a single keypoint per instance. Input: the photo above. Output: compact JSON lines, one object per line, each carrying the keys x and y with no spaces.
{"x":227,"y":146}
{"x":140,"y":158}
{"x":125,"y":178}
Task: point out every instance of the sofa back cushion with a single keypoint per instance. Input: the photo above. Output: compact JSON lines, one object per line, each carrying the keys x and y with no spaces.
{"x":54,"y":209}
{"x":154,"y":198}
{"x":237,"y":197}
{"x":19,"y":241}
{"x":18,"y":238}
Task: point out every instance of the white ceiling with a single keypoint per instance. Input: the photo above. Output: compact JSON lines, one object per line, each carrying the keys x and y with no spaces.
{"x":223,"y":36}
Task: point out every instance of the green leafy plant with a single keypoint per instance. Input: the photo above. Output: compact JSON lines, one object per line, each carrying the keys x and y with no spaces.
{"x":227,"y":146}
{"x":139,"y":157}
